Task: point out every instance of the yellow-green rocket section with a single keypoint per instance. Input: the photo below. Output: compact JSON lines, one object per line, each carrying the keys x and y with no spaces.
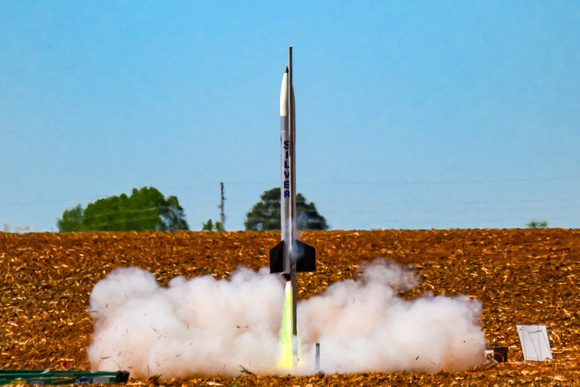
{"x":286,"y":333}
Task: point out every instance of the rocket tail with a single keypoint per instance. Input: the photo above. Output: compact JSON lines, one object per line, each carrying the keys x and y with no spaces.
{"x":306,"y":258}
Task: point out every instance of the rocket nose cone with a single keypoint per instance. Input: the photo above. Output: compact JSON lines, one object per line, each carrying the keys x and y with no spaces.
{"x":284,"y":95}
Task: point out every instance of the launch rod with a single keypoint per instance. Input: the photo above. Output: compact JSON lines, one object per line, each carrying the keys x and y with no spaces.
{"x":292,"y":137}
{"x":293,"y":282}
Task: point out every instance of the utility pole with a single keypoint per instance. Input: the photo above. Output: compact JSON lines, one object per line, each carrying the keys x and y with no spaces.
{"x":221,"y":207}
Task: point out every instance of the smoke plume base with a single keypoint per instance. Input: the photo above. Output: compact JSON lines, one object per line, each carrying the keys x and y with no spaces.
{"x":221,"y":327}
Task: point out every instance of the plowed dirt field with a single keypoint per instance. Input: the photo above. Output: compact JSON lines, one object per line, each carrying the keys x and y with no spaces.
{"x":521,"y":276}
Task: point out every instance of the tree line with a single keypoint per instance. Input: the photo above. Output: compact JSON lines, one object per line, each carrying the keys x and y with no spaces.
{"x":148,"y":209}
{"x":144,"y":209}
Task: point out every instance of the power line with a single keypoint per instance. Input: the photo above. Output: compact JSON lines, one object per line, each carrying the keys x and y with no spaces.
{"x":442,"y":182}
{"x":452,"y":202}
{"x":443,"y":211}
{"x":318,"y":183}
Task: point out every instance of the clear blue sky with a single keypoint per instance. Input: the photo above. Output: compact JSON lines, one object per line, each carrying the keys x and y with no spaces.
{"x":410,"y":114}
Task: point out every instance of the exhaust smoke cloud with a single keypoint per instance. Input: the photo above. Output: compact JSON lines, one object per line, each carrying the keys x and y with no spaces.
{"x":204,"y":326}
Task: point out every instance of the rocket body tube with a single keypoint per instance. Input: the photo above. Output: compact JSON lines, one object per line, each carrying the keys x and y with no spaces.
{"x":289,"y":251}
{"x":285,"y":168}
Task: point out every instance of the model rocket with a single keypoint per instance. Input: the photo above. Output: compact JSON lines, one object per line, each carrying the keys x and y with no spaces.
{"x":290,"y":255}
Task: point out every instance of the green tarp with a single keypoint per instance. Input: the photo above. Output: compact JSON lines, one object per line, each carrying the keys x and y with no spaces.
{"x":51,"y":377}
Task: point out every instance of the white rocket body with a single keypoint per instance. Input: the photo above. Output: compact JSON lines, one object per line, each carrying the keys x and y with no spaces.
{"x":290,"y":254}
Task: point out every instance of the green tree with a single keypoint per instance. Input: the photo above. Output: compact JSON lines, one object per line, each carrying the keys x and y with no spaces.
{"x":72,"y":220}
{"x":211,"y":226}
{"x":145,"y":209}
{"x":265,"y":215}
{"x":537,"y":224}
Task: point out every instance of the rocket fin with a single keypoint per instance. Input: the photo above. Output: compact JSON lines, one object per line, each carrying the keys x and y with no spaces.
{"x":306,"y":258}
{"x":277,"y":258}
{"x":306,"y":261}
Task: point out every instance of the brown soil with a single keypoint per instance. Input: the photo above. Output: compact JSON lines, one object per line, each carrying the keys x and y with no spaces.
{"x":522,"y":276}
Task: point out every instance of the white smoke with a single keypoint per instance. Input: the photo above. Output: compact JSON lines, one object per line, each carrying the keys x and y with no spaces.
{"x":363,"y":326}
{"x":223,"y":327}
